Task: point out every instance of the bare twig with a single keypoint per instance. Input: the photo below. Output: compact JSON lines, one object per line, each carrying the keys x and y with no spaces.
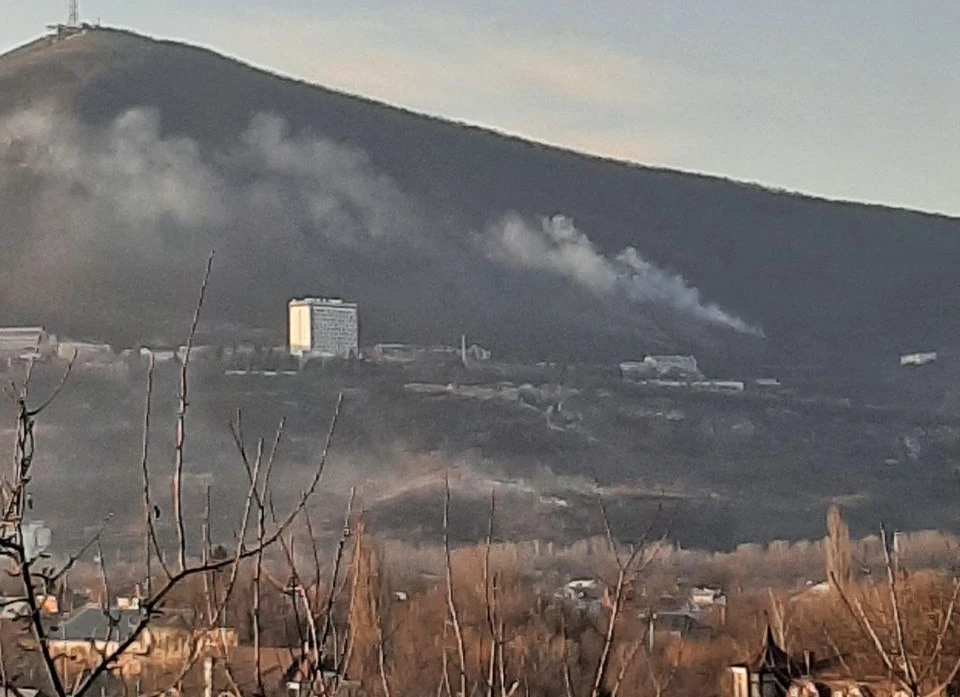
{"x":627,"y":569}
{"x":57,"y":390}
{"x":182,"y":403}
{"x":451,"y":604}
{"x":334,"y":581}
{"x":942,"y":632}
{"x":908,"y":667}
{"x":14,"y":498}
{"x":76,"y":556}
{"x":150,"y":512}
{"x":625,"y":666}
{"x":567,"y":678}
{"x":487,"y":600}
{"x":151,"y":606}
{"x":258,"y":565}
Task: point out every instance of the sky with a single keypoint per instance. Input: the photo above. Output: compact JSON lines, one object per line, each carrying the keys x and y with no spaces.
{"x":846,"y":99}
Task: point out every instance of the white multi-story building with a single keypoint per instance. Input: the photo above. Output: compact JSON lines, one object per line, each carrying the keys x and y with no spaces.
{"x":323,"y":327}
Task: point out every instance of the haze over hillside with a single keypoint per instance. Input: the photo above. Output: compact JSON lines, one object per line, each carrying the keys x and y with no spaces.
{"x":124,"y":160}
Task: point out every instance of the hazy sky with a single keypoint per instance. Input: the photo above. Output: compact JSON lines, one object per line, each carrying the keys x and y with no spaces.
{"x":845,"y":98}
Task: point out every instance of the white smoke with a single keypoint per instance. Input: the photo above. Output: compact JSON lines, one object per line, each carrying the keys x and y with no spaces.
{"x":132,"y":175}
{"x":129,"y":198}
{"x":557,"y":246}
{"x":142,"y":177}
{"x":104,"y":220}
{"x":327,"y":185}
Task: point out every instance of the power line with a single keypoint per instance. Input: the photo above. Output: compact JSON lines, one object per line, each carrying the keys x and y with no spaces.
{"x":73,"y":13}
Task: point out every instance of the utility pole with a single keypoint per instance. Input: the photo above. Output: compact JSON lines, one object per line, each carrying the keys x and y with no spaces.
{"x":73,"y":13}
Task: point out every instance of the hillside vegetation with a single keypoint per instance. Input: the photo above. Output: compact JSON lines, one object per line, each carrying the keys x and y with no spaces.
{"x":409,"y":214}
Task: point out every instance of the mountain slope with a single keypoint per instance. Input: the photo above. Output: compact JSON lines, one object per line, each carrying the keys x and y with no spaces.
{"x":408,"y":205}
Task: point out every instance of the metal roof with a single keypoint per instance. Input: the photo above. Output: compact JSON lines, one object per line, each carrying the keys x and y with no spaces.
{"x":95,"y":623}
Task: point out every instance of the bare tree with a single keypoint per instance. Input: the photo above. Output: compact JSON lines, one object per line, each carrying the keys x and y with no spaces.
{"x":839,"y":555}
{"x":37,"y":577}
{"x":454,"y":614}
{"x":911,"y":646}
{"x":629,"y":567}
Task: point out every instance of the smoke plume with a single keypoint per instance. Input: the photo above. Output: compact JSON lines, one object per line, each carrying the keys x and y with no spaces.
{"x":103,"y":227}
{"x":134,"y":175}
{"x":556,"y":246}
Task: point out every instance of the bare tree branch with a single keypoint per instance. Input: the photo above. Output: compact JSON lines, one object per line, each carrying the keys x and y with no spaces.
{"x":451,"y":604}
{"x":150,"y":512}
{"x":182,"y":403}
{"x":908,"y":668}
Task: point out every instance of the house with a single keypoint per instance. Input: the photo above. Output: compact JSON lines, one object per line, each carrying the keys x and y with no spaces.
{"x":769,"y":673}
{"x":710,"y":605}
{"x":91,"y":632}
{"x":772,"y":672}
{"x":581,"y":588}
{"x":37,"y":538}
{"x":17,"y":607}
{"x":587,"y":596}
{"x":674,"y":624}
{"x":705,"y":596}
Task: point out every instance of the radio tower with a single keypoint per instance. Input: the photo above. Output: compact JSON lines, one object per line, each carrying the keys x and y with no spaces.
{"x":73,"y":13}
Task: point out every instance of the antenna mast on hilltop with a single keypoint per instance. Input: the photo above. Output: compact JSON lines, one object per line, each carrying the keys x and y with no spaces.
{"x":73,"y":13}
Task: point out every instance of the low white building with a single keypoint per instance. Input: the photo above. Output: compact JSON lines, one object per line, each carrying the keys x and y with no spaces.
{"x":719,"y":385}
{"x":908,"y":359}
{"x":705,"y":596}
{"x":666,"y":366}
{"x":15,"y":341}
{"x":85,"y":352}
{"x":35,"y":536}
{"x":159,"y":355}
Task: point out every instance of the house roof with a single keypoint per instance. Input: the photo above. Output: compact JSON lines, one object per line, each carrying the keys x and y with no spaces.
{"x":11,"y":691}
{"x":94,"y":623}
{"x":774,"y":659}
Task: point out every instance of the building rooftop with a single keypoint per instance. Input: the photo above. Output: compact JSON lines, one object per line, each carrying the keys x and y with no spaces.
{"x":94,"y":623}
{"x":771,"y":658}
{"x":21,"y":330}
{"x":21,"y":338}
{"x":323,"y":301}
